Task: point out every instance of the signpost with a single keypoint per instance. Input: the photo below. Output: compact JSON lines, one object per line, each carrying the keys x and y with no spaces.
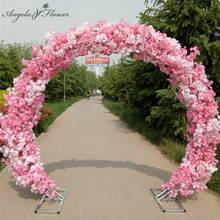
{"x":97,"y":61}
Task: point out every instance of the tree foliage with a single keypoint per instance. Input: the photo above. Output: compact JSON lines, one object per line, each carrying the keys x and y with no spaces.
{"x":144,"y":87}
{"x":10,"y":61}
{"x":133,"y":82}
{"x":192,"y":23}
{"x":78,"y":80}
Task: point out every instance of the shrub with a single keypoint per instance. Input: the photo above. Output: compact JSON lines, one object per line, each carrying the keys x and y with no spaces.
{"x":3,"y":109}
{"x":2,"y":99}
{"x":45,"y":114}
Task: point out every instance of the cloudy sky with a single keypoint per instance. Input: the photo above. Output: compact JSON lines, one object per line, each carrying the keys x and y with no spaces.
{"x":25,"y":29}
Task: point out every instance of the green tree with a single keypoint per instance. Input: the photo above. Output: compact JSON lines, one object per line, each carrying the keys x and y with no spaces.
{"x":192,"y":23}
{"x":133,"y":82}
{"x":10,"y":61}
{"x":92,"y":81}
{"x":78,"y":80}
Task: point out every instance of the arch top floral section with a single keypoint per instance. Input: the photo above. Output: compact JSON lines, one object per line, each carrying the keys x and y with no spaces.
{"x":25,"y":99}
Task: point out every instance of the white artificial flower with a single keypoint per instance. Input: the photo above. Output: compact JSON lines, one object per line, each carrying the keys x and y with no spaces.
{"x":131,"y":39}
{"x":49,"y":35}
{"x":19,"y":162}
{"x":200,"y":86}
{"x":101,"y":38}
{"x":213,"y":124}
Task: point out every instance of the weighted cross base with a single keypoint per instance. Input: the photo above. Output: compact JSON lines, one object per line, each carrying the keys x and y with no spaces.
{"x":163,"y":196}
{"x":60,"y":196}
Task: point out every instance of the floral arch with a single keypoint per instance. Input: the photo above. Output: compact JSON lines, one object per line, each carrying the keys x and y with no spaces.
{"x":26,"y":98}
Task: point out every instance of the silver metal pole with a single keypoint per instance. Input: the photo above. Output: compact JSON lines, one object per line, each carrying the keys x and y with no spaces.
{"x":64,"y":88}
{"x":97,"y":71}
{"x":59,"y":197}
{"x":164,"y":196}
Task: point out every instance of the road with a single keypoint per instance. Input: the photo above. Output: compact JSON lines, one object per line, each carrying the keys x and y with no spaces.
{"x":107,"y":168}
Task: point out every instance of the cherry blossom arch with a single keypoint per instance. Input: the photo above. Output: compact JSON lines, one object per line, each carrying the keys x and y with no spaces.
{"x":25,"y":99}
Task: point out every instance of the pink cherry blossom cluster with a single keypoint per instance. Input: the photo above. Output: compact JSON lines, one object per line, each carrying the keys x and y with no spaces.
{"x":25,"y":99}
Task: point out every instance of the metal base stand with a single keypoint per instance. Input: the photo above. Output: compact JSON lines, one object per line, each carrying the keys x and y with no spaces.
{"x":161,"y":196}
{"x":60,"y":196}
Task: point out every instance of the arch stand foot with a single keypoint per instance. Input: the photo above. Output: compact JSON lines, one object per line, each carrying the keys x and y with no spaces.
{"x":165,"y":203}
{"x":60,"y":196}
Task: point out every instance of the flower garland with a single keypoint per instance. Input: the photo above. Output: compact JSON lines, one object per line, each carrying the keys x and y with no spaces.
{"x":25,"y":99}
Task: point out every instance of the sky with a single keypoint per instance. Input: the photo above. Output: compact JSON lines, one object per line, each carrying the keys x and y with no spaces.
{"x":26,"y":29}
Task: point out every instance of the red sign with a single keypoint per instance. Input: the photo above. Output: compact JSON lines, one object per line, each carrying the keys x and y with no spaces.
{"x":97,"y":60}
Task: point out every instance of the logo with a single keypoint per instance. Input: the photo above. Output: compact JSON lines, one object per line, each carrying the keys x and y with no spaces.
{"x":44,"y":11}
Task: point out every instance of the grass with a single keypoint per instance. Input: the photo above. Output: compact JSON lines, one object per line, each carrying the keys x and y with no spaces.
{"x":2,"y":164}
{"x":134,"y":118}
{"x":173,"y":149}
{"x":58,"y":107}
{"x":169,"y":147}
{"x":2,"y":92}
{"x":2,"y":100}
{"x":214,"y":184}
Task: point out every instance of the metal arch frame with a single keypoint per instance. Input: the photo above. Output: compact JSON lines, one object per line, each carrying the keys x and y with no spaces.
{"x":59,"y":197}
{"x":164,"y":196}
{"x":158,"y":195}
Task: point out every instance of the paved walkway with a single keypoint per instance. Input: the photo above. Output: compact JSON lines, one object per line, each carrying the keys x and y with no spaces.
{"x":108,"y":171}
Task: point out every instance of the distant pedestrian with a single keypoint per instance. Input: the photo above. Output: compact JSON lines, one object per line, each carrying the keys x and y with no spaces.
{"x":88,"y":94}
